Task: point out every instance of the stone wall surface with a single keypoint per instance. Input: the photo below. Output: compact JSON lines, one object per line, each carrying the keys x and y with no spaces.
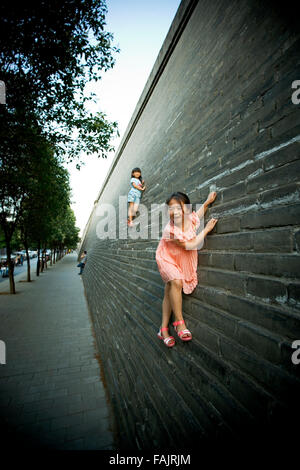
{"x":216,"y":109}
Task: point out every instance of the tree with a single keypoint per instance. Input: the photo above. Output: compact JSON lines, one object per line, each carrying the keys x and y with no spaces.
{"x":50,"y":50}
{"x":70,"y":231}
{"x":49,"y":196}
{"x":33,"y":194}
{"x":20,"y":150}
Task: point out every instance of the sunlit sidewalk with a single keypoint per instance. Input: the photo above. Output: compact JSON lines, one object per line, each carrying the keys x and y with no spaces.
{"x":51,"y":392}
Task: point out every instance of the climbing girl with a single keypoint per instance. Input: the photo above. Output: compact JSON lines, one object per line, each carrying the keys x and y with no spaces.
{"x":137,"y":186}
{"x":177,"y":259}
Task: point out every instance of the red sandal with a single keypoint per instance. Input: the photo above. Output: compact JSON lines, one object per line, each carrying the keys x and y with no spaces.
{"x":182,"y":332}
{"x":169,"y":341}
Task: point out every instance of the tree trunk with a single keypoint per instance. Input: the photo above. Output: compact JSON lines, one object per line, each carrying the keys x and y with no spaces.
{"x":12,"y":286}
{"x":38,"y":264}
{"x":28,"y":261}
{"x":54,"y":253}
{"x":51,"y":257}
{"x":45,"y":259}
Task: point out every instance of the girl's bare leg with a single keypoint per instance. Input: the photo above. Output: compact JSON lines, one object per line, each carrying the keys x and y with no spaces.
{"x":130,"y":211}
{"x":175,"y":296}
{"x":166,"y":310}
{"x":135,"y":208}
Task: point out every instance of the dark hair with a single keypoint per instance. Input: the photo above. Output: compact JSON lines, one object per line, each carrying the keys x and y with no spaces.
{"x":179,"y":197}
{"x":134,"y":170}
{"x":85,"y":251}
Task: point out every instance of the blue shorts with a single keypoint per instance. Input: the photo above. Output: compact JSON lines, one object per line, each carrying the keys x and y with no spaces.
{"x":134,"y":197}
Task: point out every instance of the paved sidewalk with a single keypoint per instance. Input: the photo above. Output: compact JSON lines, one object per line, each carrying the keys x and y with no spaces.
{"x":51,"y":392}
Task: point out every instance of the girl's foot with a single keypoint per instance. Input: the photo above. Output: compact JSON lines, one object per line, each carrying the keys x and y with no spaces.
{"x":163,"y":334}
{"x":183,"y":333}
{"x":129,"y":223}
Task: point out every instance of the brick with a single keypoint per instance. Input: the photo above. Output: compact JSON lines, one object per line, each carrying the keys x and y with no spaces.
{"x":260,"y":341}
{"x":234,"y":282}
{"x":278,"y":240}
{"x":275,"y":380}
{"x":287,"y":128}
{"x":294,"y":294}
{"x":249,"y":393}
{"x":234,"y":192}
{"x":268,"y":316}
{"x":66,"y":421}
{"x":276,"y":177}
{"x":228,"y":224}
{"x":282,"y":156}
{"x":273,"y":217}
{"x":236,"y":241}
{"x":268,"y":264}
{"x":206,"y":336}
{"x":204,"y":258}
{"x":215,"y":318}
{"x":269,"y":290}
{"x":235,"y":207}
{"x":297,"y":241}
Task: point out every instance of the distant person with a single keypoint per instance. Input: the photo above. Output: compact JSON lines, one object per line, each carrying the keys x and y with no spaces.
{"x":83,"y":260}
{"x":5,"y":270}
{"x":21,"y":259}
{"x":134,"y":196}
{"x":177,"y":259}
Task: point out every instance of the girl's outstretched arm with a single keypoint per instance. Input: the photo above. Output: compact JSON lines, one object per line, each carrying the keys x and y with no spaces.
{"x":210,"y":198}
{"x":137,"y":187}
{"x":192,"y":244}
{"x":195,"y":242}
{"x":200,"y":212}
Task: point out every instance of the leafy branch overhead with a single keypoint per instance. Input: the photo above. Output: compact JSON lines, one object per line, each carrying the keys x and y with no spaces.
{"x":50,"y":50}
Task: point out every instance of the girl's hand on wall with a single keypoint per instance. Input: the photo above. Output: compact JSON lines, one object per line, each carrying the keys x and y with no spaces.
{"x":211,"y":197}
{"x":210,"y":225}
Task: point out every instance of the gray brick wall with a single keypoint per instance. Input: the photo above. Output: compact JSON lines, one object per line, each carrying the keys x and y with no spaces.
{"x":216,"y":109}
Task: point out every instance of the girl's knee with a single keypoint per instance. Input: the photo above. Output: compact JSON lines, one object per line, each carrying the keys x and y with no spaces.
{"x":177,"y":283}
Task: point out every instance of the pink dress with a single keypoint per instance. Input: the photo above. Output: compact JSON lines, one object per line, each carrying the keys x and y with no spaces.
{"x":173,"y":261}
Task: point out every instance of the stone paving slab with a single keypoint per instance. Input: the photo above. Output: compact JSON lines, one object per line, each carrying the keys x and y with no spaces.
{"x":51,"y":392}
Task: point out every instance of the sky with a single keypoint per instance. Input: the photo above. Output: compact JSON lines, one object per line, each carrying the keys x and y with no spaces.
{"x":139,"y":28}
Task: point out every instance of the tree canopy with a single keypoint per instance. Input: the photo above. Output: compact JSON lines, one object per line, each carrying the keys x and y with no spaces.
{"x":50,"y":50}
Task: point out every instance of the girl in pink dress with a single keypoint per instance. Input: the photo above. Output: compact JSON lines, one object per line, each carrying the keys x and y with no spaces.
{"x":177,"y":259}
